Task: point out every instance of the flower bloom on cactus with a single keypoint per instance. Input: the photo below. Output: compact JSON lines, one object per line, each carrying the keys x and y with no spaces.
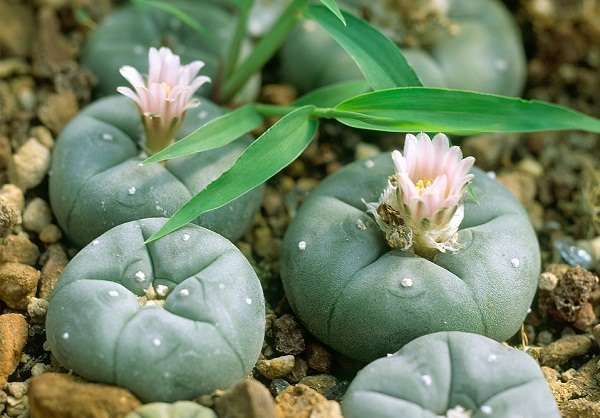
{"x":422,"y":205}
{"x":164,"y":95}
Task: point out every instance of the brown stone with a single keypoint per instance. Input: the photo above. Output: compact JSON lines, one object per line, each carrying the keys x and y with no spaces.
{"x":51,"y":51}
{"x":318,"y":357}
{"x":247,"y":399}
{"x":18,"y":283}
{"x":320,"y":382}
{"x":13,"y":337}
{"x":288,"y":334}
{"x":18,"y":249}
{"x":300,"y":401}
{"x":573,"y":290}
{"x":16,"y":28}
{"x":58,"y":395}
{"x":564,"y":349}
{"x":54,"y":264}
{"x":299,"y":371}
{"x":5,"y":151}
{"x":57,"y":110}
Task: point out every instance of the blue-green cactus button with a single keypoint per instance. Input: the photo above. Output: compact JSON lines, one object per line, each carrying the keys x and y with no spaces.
{"x":451,"y":374}
{"x":97,"y":181}
{"x":169,"y":320}
{"x":365,"y":300}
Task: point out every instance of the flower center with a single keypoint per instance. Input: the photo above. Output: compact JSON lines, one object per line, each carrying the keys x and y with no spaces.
{"x":423,"y":184}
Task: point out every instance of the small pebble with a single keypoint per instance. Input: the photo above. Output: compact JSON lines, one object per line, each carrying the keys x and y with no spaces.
{"x":247,"y":399}
{"x":50,"y":234}
{"x":278,"y":385}
{"x":13,"y":334}
{"x":18,"y":249}
{"x":320,"y":382}
{"x":29,"y":165}
{"x":61,"y":395}
{"x":277,"y":367}
{"x":299,"y":371}
{"x":37,"y":215}
{"x":318,"y":357}
{"x":289,"y":335}
{"x":302,"y":401}
{"x":18,"y":284}
{"x":13,"y":196}
{"x":564,"y":349}
{"x":37,"y":309}
{"x":55,"y":260}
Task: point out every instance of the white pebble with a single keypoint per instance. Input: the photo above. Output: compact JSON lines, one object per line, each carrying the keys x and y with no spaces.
{"x":184,"y":292}
{"x":131,"y":190}
{"x":302,"y":245}
{"x":65,"y":336}
{"x":107,"y":137}
{"x":406,"y":282}
{"x":95,"y":242}
{"x":515,"y":262}
{"x":186,"y":237}
{"x":486,"y":409}
{"x":140,"y":276}
{"x":113,"y":293}
{"x":248,"y":301}
{"x":369,"y":164}
{"x":156,"y":342}
{"x":427,"y":379}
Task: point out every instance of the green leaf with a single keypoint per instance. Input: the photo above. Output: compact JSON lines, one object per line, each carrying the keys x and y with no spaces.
{"x":244,"y":4}
{"x":378,"y":58}
{"x":179,"y":14}
{"x":416,"y":109}
{"x":214,"y":134}
{"x":333,"y":8}
{"x":270,"y":153}
{"x":333,"y":94}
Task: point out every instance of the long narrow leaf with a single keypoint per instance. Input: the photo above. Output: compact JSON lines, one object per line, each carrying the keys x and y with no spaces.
{"x":378,"y":58}
{"x":214,"y":134}
{"x":270,"y":153}
{"x":415,"y":109}
{"x":178,"y":13}
{"x":333,"y":8}
{"x":333,"y":94}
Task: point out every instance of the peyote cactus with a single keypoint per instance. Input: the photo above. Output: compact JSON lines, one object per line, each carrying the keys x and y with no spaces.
{"x":169,"y":320}
{"x":451,"y":374}
{"x":126,"y":34}
{"x":366,"y":299}
{"x":97,"y":183}
{"x":459,"y":44}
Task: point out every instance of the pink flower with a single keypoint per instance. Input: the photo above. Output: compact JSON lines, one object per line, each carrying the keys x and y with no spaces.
{"x":421,"y":207}
{"x":164,"y":96}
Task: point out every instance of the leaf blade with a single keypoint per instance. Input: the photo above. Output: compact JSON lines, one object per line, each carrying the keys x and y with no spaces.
{"x":333,"y":8}
{"x":214,"y":134}
{"x":378,"y":58}
{"x":270,"y":153}
{"x":333,"y":94}
{"x":413,"y":109}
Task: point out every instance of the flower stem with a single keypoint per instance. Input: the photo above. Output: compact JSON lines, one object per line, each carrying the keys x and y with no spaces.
{"x":263,"y":51}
